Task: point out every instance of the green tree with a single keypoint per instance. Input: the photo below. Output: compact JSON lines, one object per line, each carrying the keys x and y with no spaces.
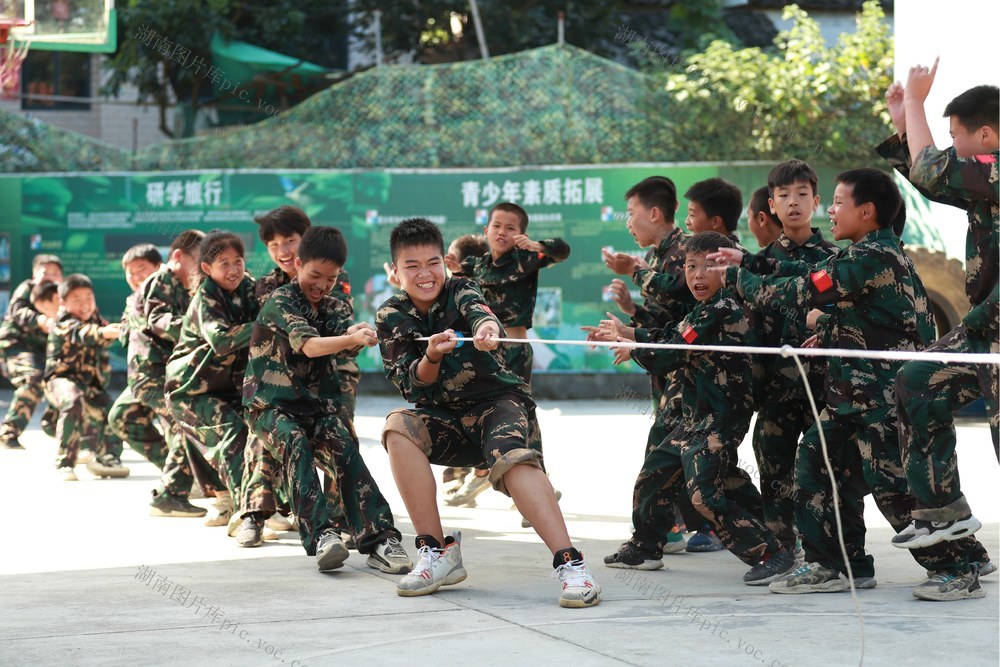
{"x":161,"y":69}
{"x":802,"y":98}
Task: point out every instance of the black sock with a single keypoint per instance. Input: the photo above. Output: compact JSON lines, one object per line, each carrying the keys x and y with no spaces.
{"x":563,"y":556}
{"x":427,"y":541}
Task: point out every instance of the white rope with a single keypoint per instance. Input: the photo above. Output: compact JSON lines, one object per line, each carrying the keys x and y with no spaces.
{"x":784,"y":350}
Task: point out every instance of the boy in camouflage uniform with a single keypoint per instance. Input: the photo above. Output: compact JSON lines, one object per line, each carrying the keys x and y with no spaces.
{"x":717,"y":403}
{"x":963,"y":175}
{"x":471,"y":409}
{"x":651,"y":205}
{"x":764,"y":225}
{"x":159,"y":308}
{"x":281,"y":231}
{"x":204,"y":375}
{"x":507,"y":275}
{"x":783,"y":409}
{"x":130,"y":419}
{"x":24,"y":357}
{"x":77,"y":368}
{"x":880,"y":305}
{"x":291,"y":397}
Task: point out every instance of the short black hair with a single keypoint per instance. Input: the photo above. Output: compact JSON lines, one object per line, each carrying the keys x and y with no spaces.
{"x":146,"y":251}
{"x":706,"y":242}
{"x":470,"y":245}
{"x":74,"y":281}
{"x":45,"y":290}
{"x":656,"y":191}
{"x":187,"y":242}
{"x":976,"y":107}
{"x":414,"y":232}
{"x":759,"y":204}
{"x":718,"y":197}
{"x":509,"y":207}
{"x":876,"y":187}
{"x":899,"y":222}
{"x":325,"y":244}
{"x":789,"y":172}
{"x":45,"y":259}
{"x":285,"y":220}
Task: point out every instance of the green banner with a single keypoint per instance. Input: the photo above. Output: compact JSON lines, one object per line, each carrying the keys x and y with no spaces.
{"x":91,"y":220}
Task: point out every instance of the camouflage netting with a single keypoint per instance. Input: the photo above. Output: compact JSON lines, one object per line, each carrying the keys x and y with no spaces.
{"x":29,"y":145}
{"x":553,"y":105}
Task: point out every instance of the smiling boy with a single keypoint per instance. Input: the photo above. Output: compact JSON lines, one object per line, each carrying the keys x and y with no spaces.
{"x":471,"y":410}
{"x":291,"y":395}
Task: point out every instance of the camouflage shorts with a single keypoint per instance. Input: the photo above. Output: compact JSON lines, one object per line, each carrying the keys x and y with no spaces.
{"x":491,"y":434}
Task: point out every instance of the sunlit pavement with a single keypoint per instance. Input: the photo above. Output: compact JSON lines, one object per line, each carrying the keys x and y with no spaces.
{"x":88,"y":577}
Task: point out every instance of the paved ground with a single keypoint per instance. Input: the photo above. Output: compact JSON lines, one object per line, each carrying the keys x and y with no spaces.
{"x":87,"y":577}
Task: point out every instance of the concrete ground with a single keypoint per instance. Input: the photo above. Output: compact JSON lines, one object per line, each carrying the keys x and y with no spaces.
{"x":88,"y":577}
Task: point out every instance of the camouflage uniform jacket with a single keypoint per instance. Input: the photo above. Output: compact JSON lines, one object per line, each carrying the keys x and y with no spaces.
{"x":159,"y":310}
{"x":130,"y":318}
{"x":879,"y":305}
{"x":787,"y":326}
{"x":77,"y":352}
{"x":970,"y":184}
{"x":211,"y":354}
{"x":666,"y":258}
{"x":510,"y":283}
{"x":467,"y":376}
{"x":279,"y":375}
{"x":341,"y":291}
{"x":20,"y":328}
{"x":717,"y":388}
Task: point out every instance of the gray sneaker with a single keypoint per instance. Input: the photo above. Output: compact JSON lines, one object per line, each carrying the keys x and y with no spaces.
{"x":390,"y":557}
{"x":250,"y":533}
{"x":947,"y":586}
{"x":766,"y":571}
{"x":164,"y":504}
{"x":986,"y":567}
{"x":330,"y":550}
{"x":810,"y":578}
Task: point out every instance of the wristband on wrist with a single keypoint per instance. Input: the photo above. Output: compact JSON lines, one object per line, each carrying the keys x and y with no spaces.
{"x":431,"y":361}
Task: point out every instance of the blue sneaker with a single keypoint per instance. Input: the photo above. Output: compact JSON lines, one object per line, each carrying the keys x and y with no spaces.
{"x":705,"y":540}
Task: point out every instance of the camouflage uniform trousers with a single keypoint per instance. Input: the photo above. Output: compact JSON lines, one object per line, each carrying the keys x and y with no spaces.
{"x":493,"y":434}
{"x":24,"y":370}
{"x":704,"y":464}
{"x":214,"y":426}
{"x":177,"y":477}
{"x":303,"y":443}
{"x":864,"y":453}
{"x":135,"y":423}
{"x":259,"y":494}
{"x":83,"y":416}
{"x":781,"y":421}
{"x":666,"y":417}
{"x":928,"y":393}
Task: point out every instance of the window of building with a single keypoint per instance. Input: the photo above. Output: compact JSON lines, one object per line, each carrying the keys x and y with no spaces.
{"x":55,"y":73}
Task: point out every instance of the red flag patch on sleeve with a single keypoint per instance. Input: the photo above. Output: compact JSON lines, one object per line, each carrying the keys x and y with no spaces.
{"x":822,"y":280}
{"x":487,"y":309}
{"x":985,"y":159}
{"x":689,"y":334}
{"x":346,"y":288}
{"x":541,"y":255}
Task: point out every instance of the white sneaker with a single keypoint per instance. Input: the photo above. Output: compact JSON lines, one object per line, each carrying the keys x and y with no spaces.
{"x":68,"y":474}
{"x":578,"y":586}
{"x":390,"y":557}
{"x":330,"y":550}
{"x":435,"y":568}
{"x":920,"y":534}
{"x":223,"y":510}
{"x":278,"y":523}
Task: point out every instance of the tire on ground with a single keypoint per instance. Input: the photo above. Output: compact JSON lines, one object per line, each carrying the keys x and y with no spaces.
{"x":944,"y":280}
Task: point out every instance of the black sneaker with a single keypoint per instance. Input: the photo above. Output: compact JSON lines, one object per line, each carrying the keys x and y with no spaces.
{"x":251,"y":532}
{"x":107,"y":465}
{"x":629,"y":557}
{"x":766,"y":571}
{"x":920,"y":534}
{"x":11,"y":442}
{"x":164,"y":504}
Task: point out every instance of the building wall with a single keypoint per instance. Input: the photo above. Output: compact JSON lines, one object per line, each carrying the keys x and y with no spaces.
{"x":119,"y":121}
